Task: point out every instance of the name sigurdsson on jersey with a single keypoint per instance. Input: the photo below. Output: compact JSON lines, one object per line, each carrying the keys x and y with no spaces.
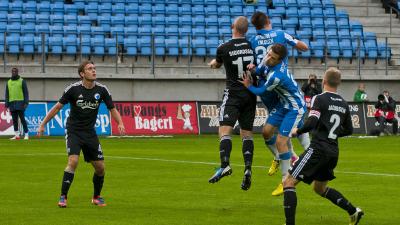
{"x":241,"y":52}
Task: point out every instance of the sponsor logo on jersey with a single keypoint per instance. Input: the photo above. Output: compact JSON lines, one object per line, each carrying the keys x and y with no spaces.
{"x":87,"y":105}
{"x":97,"y":96}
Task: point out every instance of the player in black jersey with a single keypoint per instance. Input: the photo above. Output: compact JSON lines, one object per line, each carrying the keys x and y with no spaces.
{"x":85,"y":97}
{"x":329,"y":119}
{"x":238,"y":104}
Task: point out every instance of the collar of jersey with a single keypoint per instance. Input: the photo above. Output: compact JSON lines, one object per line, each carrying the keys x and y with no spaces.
{"x":263,"y":31}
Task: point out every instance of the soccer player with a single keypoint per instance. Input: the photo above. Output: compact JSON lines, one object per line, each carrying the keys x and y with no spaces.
{"x":85,"y":97}
{"x":328,"y":119}
{"x":267,"y":36}
{"x":238,"y":103}
{"x":291,"y":107}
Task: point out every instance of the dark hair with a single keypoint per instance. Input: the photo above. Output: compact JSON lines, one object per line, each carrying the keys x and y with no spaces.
{"x":280,"y":50}
{"x":259,"y":19}
{"x":381,"y":97}
{"x":82,"y":66}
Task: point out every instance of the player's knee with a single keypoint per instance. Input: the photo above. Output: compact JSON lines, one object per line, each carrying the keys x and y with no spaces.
{"x":288,"y":182}
{"x":319,"y":190}
{"x":271,"y":140}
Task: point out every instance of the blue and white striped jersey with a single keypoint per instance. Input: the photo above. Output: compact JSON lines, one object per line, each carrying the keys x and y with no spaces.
{"x":265,"y":38}
{"x":281,"y":81}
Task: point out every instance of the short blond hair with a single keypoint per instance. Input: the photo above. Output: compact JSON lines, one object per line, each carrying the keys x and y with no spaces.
{"x":241,"y":25}
{"x":333,"y":77}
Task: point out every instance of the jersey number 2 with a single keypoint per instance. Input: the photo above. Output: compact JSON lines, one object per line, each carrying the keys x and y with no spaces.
{"x":335,"y":119}
{"x":239,"y":62}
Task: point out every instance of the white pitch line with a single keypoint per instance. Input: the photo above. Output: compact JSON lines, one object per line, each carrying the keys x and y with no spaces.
{"x":190,"y":162}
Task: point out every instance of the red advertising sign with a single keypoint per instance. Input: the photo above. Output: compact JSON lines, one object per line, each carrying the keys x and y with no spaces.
{"x":6,"y":124}
{"x":155,"y":118}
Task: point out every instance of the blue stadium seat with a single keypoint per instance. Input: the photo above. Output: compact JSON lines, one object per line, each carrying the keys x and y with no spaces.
{"x":172,"y":31}
{"x":131,"y":21}
{"x":277,"y":12}
{"x":384,"y":51}
{"x":145,"y":19}
{"x":2,"y":44}
{"x":236,"y":10}
{"x":318,"y":34}
{"x":172,"y":9}
{"x":198,"y":31}
{"x":317,"y":24}
{"x":15,"y":7}
{"x":110,"y":46}
{"x":184,"y":46}
{"x":118,"y":33}
{"x":292,"y":13}
{"x":71,"y":9}
{"x":356,"y":26}
{"x":104,"y":22}
{"x":132,"y":9}
{"x":3,"y":10}
{"x":84,"y":31}
{"x":131,"y":32}
{"x":70,"y":31}
{"x":70,"y":45}
{"x":211,"y":20}
{"x":158,"y":19}
{"x":212,"y":46}
{"x":317,"y":13}
{"x":198,"y":20}
{"x":85,"y":46}
{"x":29,"y":7}
{"x":3,"y":28}
{"x":117,"y":21}
{"x":358,"y":48}
{"x":56,"y":31}
{"x":27,"y":44}
{"x":199,"y":47}
{"x":304,"y":34}
{"x":14,"y":30}
{"x":329,"y":13}
{"x":159,"y":45}
{"x":198,"y":10}
{"x":315,"y":4}
{"x":331,"y":35}
{"x":118,"y":9}
{"x":346,"y":48}
{"x":224,"y":21}
{"x":105,"y":9}
{"x":185,"y":20}
{"x":344,"y":34}
{"x":211,"y":32}
{"x":54,"y":19}
{"x":211,"y":10}
{"x":223,"y":10}
{"x":145,"y":8}
{"x":333,"y":49}
{"x":27,"y":30}
{"x":57,"y":8}
{"x":276,"y":22}
{"x":171,"y":20}
{"x":291,"y":4}
{"x":144,"y":44}
{"x":98,"y":45}
{"x":70,"y":20}
{"x":28,"y":19}
{"x":14,"y":18}
{"x":39,"y":44}
{"x":303,"y":3}
{"x":328,"y":4}
{"x":317,"y":49}
{"x":172,"y":46}
{"x":84,"y":21}
{"x":56,"y":45}
{"x":158,"y":30}
{"x":12,"y":43}
{"x":97,"y":32}
{"x":278,"y":3}
{"x":371,"y":50}
{"x":91,"y":10}
{"x":44,"y":7}
{"x":184,"y":31}
{"x":130,"y":45}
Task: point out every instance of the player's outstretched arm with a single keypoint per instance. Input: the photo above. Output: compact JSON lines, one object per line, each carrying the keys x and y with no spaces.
{"x":53,"y":111}
{"x":214,"y":64}
{"x":301,"y":46}
{"x":117,"y":117}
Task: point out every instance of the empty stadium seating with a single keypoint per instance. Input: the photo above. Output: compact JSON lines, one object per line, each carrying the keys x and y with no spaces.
{"x":163,"y":27}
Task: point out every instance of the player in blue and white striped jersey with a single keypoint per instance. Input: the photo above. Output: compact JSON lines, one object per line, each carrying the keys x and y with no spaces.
{"x":292,"y":103}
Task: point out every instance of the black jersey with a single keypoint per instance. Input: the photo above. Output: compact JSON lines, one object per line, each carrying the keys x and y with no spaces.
{"x":85,"y":104}
{"x":236,"y":54}
{"x":334,"y":121}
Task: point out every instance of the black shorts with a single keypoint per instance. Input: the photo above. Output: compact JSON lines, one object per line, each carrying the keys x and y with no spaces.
{"x":238,"y":106}
{"x":87,"y":141}
{"x":313,"y":165}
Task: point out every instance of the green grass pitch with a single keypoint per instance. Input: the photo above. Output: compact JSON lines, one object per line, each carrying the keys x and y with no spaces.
{"x":165,"y":181}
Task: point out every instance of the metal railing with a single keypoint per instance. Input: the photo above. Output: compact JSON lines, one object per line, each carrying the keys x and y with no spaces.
{"x":120,"y":58}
